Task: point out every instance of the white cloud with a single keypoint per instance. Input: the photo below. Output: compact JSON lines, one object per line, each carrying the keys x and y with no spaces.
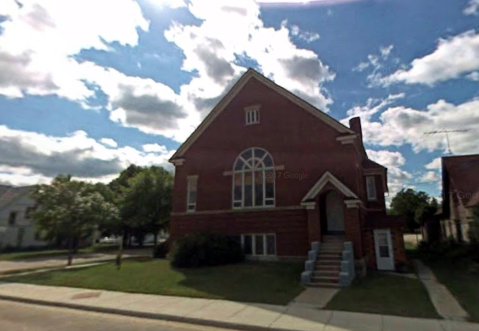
{"x":213,"y":51}
{"x":452,"y":58}
{"x":40,"y":37}
{"x":378,"y":63}
{"x":372,"y":107}
{"x":307,"y":36}
{"x":474,"y":76}
{"x":305,"y":2}
{"x":430,"y":176}
{"x":169,"y":3}
{"x":385,"y":51}
{"x":155,"y":148}
{"x":109,"y":142}
{"x":28,"y":157}
{"x":401,"y":125}
{"x":434,"y":164}
{"x":472,"y":8}
{"x":397,"y":177}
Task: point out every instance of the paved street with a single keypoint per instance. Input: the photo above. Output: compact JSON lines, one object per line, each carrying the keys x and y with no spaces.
{"x":26,"y":317}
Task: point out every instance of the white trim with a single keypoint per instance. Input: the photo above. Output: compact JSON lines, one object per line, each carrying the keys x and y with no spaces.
{"x":309,"y":205}
{"x":347,"y":139}
{"x":328,"y":178}
{"x":178,"y":162}
{"x":251,"y":73}
{"x":252,"y":114}
{"x":237,"y":210}
{"x":353,"y":203}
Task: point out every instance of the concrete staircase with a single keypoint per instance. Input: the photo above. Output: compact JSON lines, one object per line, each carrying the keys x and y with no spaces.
{"x":328,"y":262}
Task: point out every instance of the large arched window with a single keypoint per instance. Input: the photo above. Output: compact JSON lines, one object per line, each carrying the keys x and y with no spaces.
{"x":253,"y":179}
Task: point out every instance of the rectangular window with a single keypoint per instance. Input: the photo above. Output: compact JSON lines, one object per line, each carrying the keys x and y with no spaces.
{"x":192,"y":188}
{"x":12,"y":218}
{"x":371,"y":187}
{"x":252,"y":116}
{"x":29,"y":211}
{"x":248,"y":189}
{"x":248,"y":245}
{"x":259,"y":244}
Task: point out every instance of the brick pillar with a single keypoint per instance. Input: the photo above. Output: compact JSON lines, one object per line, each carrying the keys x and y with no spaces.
{"x":314,"y":229}
{"x":353,"y":230}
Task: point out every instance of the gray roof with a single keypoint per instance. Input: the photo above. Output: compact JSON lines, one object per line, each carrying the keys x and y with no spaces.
{"x":9,"y":194}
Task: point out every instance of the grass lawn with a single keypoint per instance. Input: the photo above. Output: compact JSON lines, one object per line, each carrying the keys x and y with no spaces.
{"x":462,"y":283}
{"x":54,"y":252}
{"x":385,"y":294}
{"x":264,"y":282}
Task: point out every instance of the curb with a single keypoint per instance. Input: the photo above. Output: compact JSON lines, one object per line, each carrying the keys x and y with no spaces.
{"x":154,"y":316}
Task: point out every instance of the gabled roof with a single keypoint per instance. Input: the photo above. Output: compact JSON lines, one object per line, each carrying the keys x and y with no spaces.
{"x":370,"y":164}
{"x":250,"y":74}
{"x":10,"y":194}
{"x":328,"y":178}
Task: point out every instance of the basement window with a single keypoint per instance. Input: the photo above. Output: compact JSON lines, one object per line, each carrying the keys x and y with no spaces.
{"x":259,"y":244}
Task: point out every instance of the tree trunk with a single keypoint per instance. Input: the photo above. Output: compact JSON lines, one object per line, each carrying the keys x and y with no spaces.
{"x":70,"y":251}
{"x":119,"y":254}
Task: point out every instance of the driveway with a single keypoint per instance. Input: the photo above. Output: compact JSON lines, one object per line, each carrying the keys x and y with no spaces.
{"x":59,"y":261}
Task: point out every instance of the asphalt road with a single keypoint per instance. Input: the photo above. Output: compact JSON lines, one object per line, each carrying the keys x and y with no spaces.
{"x":26,"y":317}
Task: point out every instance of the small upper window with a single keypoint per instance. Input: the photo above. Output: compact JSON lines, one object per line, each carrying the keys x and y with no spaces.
{"x":371,"y":187}
{"x":192,"y":187}
{"x":252,"y":116}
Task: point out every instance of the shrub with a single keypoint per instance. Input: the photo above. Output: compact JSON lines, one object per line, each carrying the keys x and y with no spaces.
{"x":161,"y":250}
{"x":206,"y":250}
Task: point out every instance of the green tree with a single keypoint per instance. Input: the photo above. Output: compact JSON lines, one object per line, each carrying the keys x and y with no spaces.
{"x":146,"y":202}
{"x":71,"y":209}
{"x":426,"y":211}
{"x":408,"y":202}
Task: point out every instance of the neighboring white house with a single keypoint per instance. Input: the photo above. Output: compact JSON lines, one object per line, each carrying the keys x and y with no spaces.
{"x":16,"y":228}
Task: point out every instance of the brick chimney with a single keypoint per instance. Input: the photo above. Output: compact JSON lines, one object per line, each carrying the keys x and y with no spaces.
{"x":355,"y":125}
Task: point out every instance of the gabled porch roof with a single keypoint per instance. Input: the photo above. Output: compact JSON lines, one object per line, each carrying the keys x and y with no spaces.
{"x":321,"y":183}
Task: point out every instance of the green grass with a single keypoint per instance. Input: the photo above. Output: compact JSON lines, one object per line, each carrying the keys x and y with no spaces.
{"x":462,"y":283}
{"x":54,"y":252}
{"x":385,"y":294}
{"x":263,"y":282}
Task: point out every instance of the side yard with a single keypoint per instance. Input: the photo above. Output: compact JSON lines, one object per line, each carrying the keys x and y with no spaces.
{"x":272,"y":283}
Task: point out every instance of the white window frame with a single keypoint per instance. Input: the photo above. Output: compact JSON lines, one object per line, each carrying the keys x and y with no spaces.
{"x":254,"y":169}
{"x":252,"y":115}
{"x":191,"y":205}
{"x":265,"y":247}
{"x":371,"y":195}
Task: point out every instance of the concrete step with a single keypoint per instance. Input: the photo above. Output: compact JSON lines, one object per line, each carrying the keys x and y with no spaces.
{"x":328,"y":262}
{"x":327,"y":255}
{"x":328,"y":268}
{"x":326,"y":273}
{"x":321,"y":284}
{"x":325,"y":279}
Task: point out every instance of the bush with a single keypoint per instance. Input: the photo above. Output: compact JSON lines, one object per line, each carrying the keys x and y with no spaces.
{"x":206,"y":250}
{"x":161,"y":250}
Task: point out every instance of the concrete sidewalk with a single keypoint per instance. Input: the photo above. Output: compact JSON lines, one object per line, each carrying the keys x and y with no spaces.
{"x":445,"y":303}
{"x":7,"y":267}
{"x":226,"y":314}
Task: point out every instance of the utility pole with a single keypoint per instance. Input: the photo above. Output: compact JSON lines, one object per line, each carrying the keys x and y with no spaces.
{"x":446,"y":132}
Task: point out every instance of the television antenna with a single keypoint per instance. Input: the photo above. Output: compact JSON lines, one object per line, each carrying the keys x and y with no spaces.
{"x":446,"y":132}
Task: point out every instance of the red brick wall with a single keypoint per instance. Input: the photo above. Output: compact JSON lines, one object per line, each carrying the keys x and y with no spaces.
{"x":290,"y":227}
{"x":297,"y":140}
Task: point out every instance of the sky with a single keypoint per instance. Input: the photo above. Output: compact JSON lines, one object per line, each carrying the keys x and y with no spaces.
{"x":88,"y":87}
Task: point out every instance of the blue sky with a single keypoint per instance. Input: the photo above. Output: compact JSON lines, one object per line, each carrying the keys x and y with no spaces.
{"x":89,"y":87}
